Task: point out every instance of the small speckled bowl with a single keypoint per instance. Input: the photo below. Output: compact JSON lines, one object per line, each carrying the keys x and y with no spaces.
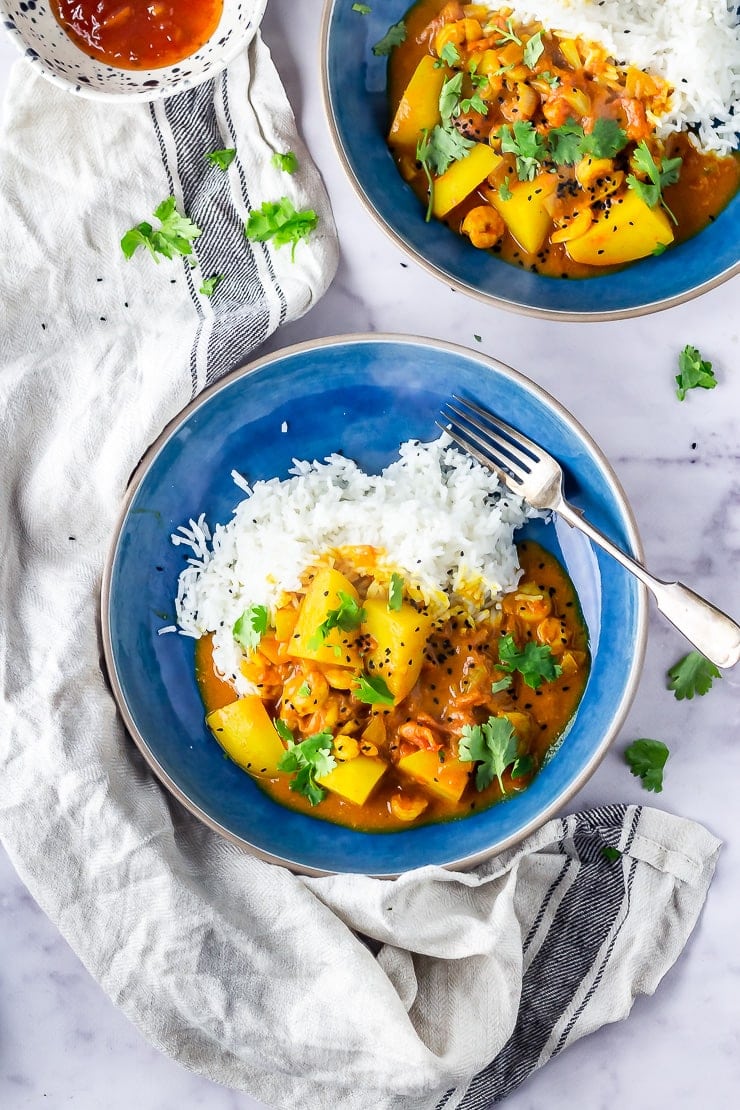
{"x":40,"y":38}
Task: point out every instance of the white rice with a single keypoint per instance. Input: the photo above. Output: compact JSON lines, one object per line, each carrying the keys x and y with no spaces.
{"x":440,"y":519}
{"x":693,"y":44}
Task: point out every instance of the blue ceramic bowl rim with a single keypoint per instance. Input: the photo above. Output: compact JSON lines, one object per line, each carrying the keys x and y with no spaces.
{"x":148,"y":460}
{"x":575,"y":316}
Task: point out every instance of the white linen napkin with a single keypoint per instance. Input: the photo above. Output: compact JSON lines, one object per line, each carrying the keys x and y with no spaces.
{"x":342,"y":992}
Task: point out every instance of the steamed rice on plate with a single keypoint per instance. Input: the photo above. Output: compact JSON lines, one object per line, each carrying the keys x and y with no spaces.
{"x":376,"y":650}
{"x":569,"y":137}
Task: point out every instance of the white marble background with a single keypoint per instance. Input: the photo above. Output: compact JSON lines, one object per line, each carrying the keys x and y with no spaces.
{"x":63,"y":1043}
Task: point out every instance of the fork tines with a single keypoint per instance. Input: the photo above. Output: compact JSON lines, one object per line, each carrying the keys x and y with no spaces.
{"x":488,"y":439}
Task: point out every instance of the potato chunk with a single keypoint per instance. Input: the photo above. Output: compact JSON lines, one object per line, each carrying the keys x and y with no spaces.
{"x":419,"y":106}
{"x":247,"y":735}
{"x":525,"y":213}
{"x":321,"y":597}
{"x":462,"y":177}
{"x":447,"y":779}
{"x":356,"y":779}
{"x":629,"y":230}
{"x":399,"y":637}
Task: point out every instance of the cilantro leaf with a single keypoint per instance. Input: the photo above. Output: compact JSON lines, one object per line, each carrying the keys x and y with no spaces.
{"x":311,"y":759}
{"x":646,"y":760}
{"x":474,"y":103}
{"x":283,"y":731}
{"x":694,"y":372}
{"x":175,"y":235}
{"x":423,"y":156}
{"x":504,"y":191}
{"x":508,"y":35}
{"x":533,"y":50}
{"x":395,"y":593}
{"x":279,"y":221}
{"x":304,"y":690}
{"x":651,"y":192}
{"x":610,"y":853}
{"x":363,"y":9}
{"x":493,"y":746}
{"x":502,"y":684}
{"x":692,"y":675}
{"x":552,"y":79}
{"x":449,"y":97}
{"x":605,"y":140}
{"x":251,"y":626}
{"x":445,"y":146}
{"x":449,"y":55}
{"x":534,"y":662}
{"x":222,"y":159}
{"x":208,"y":288}
{"x":286,"y":162}
{"x":394,"y":36}
{"x":522,"y":140}
{"x":347,"y":616}
{"x":565,"y":143}
{"x":372,"y":689}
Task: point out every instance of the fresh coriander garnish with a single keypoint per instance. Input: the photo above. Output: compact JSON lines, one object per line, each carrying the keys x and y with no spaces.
{"x":394,"y":36}
{"x":446,"y":145}
{"x":646,"y":760}
{"x":286,"y":162}
{"x":605,"y":140}
{"x":610,"y":853}
{"x":395,"y":592}
{"x":474,"y":103}
{"x":209,"y":285}
{"x":522,"y":140}
{"x":522,"y":767}
{"x":304,"y":690}
{"x":311,"y":759}
{"x":535,"y":662}
{"x":279,"y":221}
{"x":363,"y":9}
{"x":347,"y":617}
{"x":694,"y":372}
{"x":449,"y":97}
{"x":533,"y":50}
{"x":504,"y":191}
{"x":423,"y":157}
{"x":692,"y":675}
{"x":651,"y":192}
{"x":449,"y":56}
{"x":251,"y":626}
{"x":508,"y":35}
{"x":552,"y":79}
{"x":565,"y":143}
{"x":222,"y":159}
{"x":175,"y":234}
{"x":285,"y":734}
{"x":372,"y":689}
{"x":493,"y":746}
{"x":502,"y":684}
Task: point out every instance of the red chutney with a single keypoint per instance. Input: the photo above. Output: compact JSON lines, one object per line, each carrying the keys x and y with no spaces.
{"x":139,"y":34}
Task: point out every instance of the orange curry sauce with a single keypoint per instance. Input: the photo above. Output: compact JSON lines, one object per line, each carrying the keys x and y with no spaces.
{"x":453,"y":689}
{"x":706,"y":183}
{"x":139,"y":34}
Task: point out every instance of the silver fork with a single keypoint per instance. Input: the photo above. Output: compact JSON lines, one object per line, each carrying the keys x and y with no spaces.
{"x":529,"y":471}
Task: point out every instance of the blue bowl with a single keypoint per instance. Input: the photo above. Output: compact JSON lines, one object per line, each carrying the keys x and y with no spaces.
{"x":361,"y":395}
{"x":356,"y":101}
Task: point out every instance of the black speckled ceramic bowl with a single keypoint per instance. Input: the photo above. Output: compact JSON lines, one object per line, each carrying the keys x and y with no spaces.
{"x":41,"y":39}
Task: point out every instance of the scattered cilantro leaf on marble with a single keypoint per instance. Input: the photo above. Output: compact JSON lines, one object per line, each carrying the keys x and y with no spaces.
{"x":646,"y":760}
{"x":694,"y":372}
{"x":692,"y":675}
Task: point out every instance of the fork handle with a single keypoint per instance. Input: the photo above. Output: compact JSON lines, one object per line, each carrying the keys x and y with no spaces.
{"x":711,"y":631}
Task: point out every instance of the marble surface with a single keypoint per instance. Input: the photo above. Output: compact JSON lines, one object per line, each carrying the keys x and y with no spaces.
{"x":63,"y":1043}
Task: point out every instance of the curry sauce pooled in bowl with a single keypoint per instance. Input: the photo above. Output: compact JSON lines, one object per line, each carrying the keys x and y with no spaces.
{"x":538,"y":144}
{"x":374,"y":649}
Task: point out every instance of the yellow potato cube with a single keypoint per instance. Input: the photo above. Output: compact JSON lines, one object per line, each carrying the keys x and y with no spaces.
{"x":525,"y":213}
{"x":418,"y":108}
{"x":355,"y":780}
{"x":627,"y":231}
{"x":447,"y":779}
{"x":399,"y":636}
{"x":321,"y":597}
{"x":462,"y":177}
{"x":247,"y":735}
